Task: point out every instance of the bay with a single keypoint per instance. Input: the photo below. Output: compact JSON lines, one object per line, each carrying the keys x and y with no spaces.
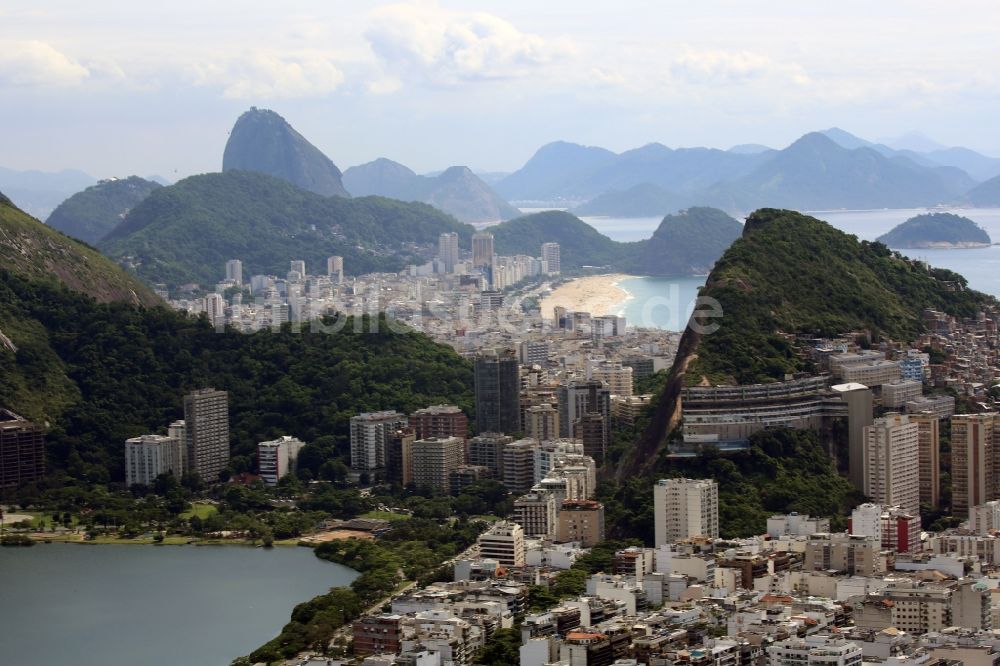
{"x":151,"y":605}
{"x":667,"y":302}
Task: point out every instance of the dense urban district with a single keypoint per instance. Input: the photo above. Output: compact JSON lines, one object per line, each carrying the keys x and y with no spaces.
{"x":809,"y":474}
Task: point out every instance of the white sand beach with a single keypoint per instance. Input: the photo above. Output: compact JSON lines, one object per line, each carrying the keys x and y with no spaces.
{"x":598,"y":294}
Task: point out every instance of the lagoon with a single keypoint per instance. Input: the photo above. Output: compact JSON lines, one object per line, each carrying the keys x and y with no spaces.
{"x":151,"y":605}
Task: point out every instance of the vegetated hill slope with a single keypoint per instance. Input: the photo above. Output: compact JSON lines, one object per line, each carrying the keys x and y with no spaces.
{"x":186,"y":232}
{"x":101,"y":373}
{"x":580,"y":245}
{"x":456,"y":191}
{"x":30,"y":249}
{"x":92,"y":213}
{"x":689,"y":241}
{"x":985,"y":194}
{"x":936,"y":230}
{"x":686,"y":242}
{"x":264,"y":142}
{"x":787,"y":274}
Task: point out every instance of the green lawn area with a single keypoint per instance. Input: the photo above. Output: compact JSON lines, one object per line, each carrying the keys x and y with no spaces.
{"x":203,"y":511}
{"x":385,"y":515}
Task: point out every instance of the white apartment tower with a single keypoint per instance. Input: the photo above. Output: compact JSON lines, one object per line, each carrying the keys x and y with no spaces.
{"x":892,"y":462}
{"x":448,"y":250}
{"x":550,"y":258}
{"x":684,"y":508}
{"x":234,"y":271}
{"x":149,"y":456}
{"x":277,"y":458}
{"x":370,"y":435}
{"x":206,"y":422}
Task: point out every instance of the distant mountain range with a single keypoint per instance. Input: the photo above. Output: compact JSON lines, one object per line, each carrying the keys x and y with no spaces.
{"x":91,"y":214}
{"x":264,"y":142}
{"x":821,"y":170}
{"x":39,"y":192}
{"x":457,"y":190}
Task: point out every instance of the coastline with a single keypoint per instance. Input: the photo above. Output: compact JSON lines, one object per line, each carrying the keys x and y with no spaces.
{"x":597,"y":294}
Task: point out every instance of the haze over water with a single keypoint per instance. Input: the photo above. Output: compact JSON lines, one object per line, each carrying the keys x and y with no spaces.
{"x":666,"y":302}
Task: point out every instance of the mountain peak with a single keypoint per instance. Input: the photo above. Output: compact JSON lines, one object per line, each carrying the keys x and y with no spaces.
{"x":263,"y":141}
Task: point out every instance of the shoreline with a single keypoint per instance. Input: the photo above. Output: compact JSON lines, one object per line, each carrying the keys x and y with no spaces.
{"x":597,"y":294}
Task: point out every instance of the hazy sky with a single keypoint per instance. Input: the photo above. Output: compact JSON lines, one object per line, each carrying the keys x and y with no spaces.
{"x":116,"y":88}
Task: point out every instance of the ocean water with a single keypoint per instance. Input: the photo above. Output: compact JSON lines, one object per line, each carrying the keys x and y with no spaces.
{"x":667,"y":302}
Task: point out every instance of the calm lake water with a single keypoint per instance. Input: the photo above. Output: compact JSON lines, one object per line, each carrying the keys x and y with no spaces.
{"x":151,"y":605}
{"x":667,"y":302}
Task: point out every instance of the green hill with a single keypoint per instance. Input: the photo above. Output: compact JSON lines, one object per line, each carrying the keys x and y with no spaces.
{"x":685,"y":242}
{"x":792,"y":274}
{"x":33,"y":250}
{"x":89,"y":215}
{"x":936,"y":230}
{"x":101,"y":373}
{"x":689,"y":241}
{"x":186,"y":232}
{"x":264,"y":142}
{"x":580,"y":244}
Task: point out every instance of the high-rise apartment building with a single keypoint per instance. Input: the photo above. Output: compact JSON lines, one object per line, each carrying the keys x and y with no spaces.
{"x":335,"y":268}
{"x":542,"y":422}
{"x":434,"y":458}
{"x":439,"y":421}
{"x":892,"y":463}
{"x":448,"y":250}
{"x":370,"y":435}
{"x":399,"y":457}
{"x":22,"y":450}
{"x":684,"y":508}
{"x":498,"y":391}
{"x":149,"y":456}
{"x":482,"y":249}
{"x":206,"y":421}
{"x":178,"y":430}
{"x":550,"y":258}
{"x":974,"y":461}
{"x":277,"y":458}
{"x":860,"y":414}
{"x":929,"y":453}
{"x":298,"y":266}
{"x":619,"y":378}
{"x":586,"y":397}
{"x":234,"y":271}
{"x":214,"y":306}
{"x":592,"y":429}
{"x":581,"y":521}
{"x":519,"y":465}
{"x":504,"y":542}
{"x":535,"y":512}
{"x":486,"y":450}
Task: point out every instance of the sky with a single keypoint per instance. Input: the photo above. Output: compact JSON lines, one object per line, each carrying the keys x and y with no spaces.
{"x":117,"y":88}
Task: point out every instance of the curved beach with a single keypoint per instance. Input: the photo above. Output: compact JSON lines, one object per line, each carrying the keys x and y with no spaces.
{"x":597,"y":294}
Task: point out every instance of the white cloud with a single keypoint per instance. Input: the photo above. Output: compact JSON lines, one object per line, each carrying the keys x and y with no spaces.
{"x":734,"y":67}
{"x":269,"y":75}
{"x":35,"y":64}
{"x":445,"y":47}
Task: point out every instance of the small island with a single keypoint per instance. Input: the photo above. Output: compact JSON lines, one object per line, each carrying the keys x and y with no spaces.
{"x":936,"y":230}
